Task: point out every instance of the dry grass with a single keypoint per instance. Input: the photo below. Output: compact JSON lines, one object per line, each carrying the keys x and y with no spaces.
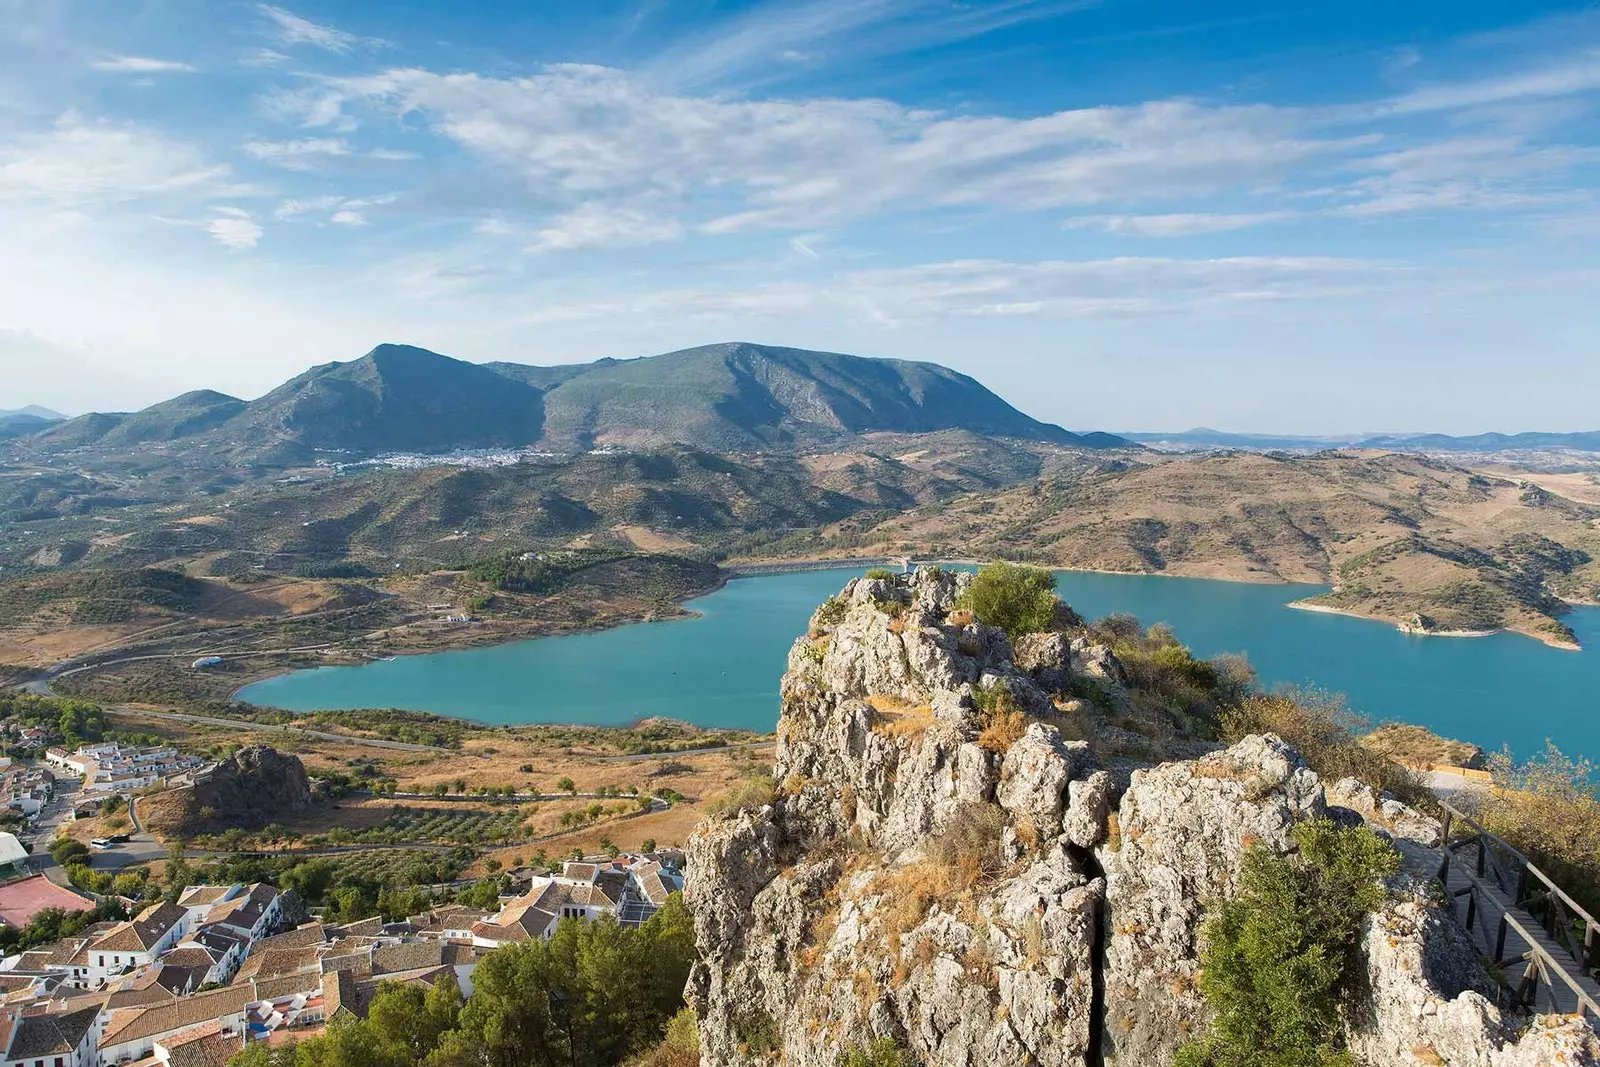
{"x":895,"y":718}
{"x":1002,"y":728}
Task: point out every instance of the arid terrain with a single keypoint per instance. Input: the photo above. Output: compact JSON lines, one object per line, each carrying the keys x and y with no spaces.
{"x":1428,"y":544}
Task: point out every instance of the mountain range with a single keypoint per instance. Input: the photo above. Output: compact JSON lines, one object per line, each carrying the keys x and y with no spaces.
{"x":734,"y":397}
{"x":1203,"y":438}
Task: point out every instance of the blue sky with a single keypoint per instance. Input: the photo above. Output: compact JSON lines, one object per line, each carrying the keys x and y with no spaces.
{"x":1122,"y":214}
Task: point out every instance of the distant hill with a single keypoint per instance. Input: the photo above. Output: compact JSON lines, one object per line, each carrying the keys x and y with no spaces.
{"x":728,"y":398}
{"x":35,"y":410}
{"x":22,"y":423}
{"x":1489,"y":442}
{"x":1203,"y":438}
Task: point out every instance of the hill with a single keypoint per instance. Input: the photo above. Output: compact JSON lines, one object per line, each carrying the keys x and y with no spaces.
{"x":1427,"y":544}
{"x":399,"y":399}
{"x":1203,"y":438}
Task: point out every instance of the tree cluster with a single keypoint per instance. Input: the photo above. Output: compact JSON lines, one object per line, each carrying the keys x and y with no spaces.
{"x":593,"y":995}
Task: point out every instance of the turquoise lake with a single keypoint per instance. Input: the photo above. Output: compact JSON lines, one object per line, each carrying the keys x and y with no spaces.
{"x":722,"y":669}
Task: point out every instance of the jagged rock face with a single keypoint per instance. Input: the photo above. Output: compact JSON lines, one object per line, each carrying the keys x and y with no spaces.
{"x":1183,"y":829}
{"x":987,"y":894}
{"x":254,"y":786}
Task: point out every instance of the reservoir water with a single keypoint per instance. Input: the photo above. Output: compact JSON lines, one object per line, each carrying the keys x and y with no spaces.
{"x":722,"y":669}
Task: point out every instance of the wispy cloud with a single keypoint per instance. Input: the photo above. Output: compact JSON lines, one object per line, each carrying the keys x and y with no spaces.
{"x":142,"y":65}
{"x":595,"y":227}
{"x":290,"y":28}
{"x":934,"y":292}
{"x":1181,"y":225}
{"x":79,"y":163}
{"x":1561,"y":77}
{"x":746,"y":47}
{"x":234,"y":228}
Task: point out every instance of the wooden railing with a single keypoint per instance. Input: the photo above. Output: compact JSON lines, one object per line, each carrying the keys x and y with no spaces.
{"x":1496,"y":876}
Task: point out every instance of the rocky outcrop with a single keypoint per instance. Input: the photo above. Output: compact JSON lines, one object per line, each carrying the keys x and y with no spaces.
{"x":944,"y":864}
{"x":251,"y":788}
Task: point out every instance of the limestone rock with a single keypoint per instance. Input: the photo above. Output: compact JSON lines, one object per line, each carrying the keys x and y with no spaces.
{"x":1034,"y":777}
{"x":879,"y":894}
{"x":1384,"y":812}
{"x":1426,"y":1002}
{"x":1183,"y":829}
{"x":1047,"y":658}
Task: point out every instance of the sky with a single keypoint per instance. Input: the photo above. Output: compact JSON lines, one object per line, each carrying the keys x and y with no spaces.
{"x":1119,"y":214}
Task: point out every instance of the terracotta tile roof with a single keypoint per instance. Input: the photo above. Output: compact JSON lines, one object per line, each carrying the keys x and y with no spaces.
{"x":281,"y":961}
{"x":180,"y":980}
{"x":130,"y":1024}
{"x":365,"y":928}
{"x":142,"y":933}
{"x":213,"y":1050}
{"x":495,"y":932}
{"x":339,"y":994}
{"x":579,"y":872}
{"x":188,"y":954}
{"x":66,"y":950}
{"x":286,"y":985}
{"x":51,"y":1034}
{"x":245,"y":910}
{"x":455,"y":954}
{"x":139,"y":997}
{"x":407,"y":956}
{"x":358,"y":963}
{"x":312,"y":933}
{"x":197,"y":895}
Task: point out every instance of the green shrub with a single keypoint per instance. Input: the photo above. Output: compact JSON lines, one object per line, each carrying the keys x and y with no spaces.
{"x":1018,"y":599}
{"x":832,"y":612}
{"x":884,"y":1052}
{"x":752,"y":794}
{"x":756,"y":1032}
{"x":882,"y":574}
{"x":1283,"y":956}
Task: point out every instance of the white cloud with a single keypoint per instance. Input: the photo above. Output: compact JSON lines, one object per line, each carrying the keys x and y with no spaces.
{"x":930,"y":293}
{"x":297,"y":155}
{"x":339,"y":210}
{"x":583,"y":133}
{"x":292,"y":29}
{"x":1566,"y":77}
{"x":142,"y":65}
{"x":234,"y":228}
{"x":294,"y":208}
{"x":78,"y":163}
{"x":758,"y":43}
{"x":1183,"y":225}
{"x":595,"y":227}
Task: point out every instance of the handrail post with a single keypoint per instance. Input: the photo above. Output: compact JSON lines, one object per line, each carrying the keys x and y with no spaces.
{"x":1500,"y":942}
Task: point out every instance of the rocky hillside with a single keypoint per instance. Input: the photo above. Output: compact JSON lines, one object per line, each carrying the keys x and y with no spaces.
{"x":1424,"y":543}
{"x":942,"y":866}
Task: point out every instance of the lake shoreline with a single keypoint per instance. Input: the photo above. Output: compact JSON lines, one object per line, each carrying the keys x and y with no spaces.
{"x":1401,"y":626}
{"x":722,"y":672}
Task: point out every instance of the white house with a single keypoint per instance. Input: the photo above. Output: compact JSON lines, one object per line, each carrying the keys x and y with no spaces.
{"x":132,"y":1033}
{"x":49,"y":1039}
{"x":135,"y":943}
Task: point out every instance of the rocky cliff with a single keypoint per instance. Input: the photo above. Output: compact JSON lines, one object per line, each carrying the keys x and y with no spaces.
{"x":254,"y":786}
{"x":945,"y":864}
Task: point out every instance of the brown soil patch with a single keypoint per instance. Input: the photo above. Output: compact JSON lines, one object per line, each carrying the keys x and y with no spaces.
{"x":648,"y":540}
